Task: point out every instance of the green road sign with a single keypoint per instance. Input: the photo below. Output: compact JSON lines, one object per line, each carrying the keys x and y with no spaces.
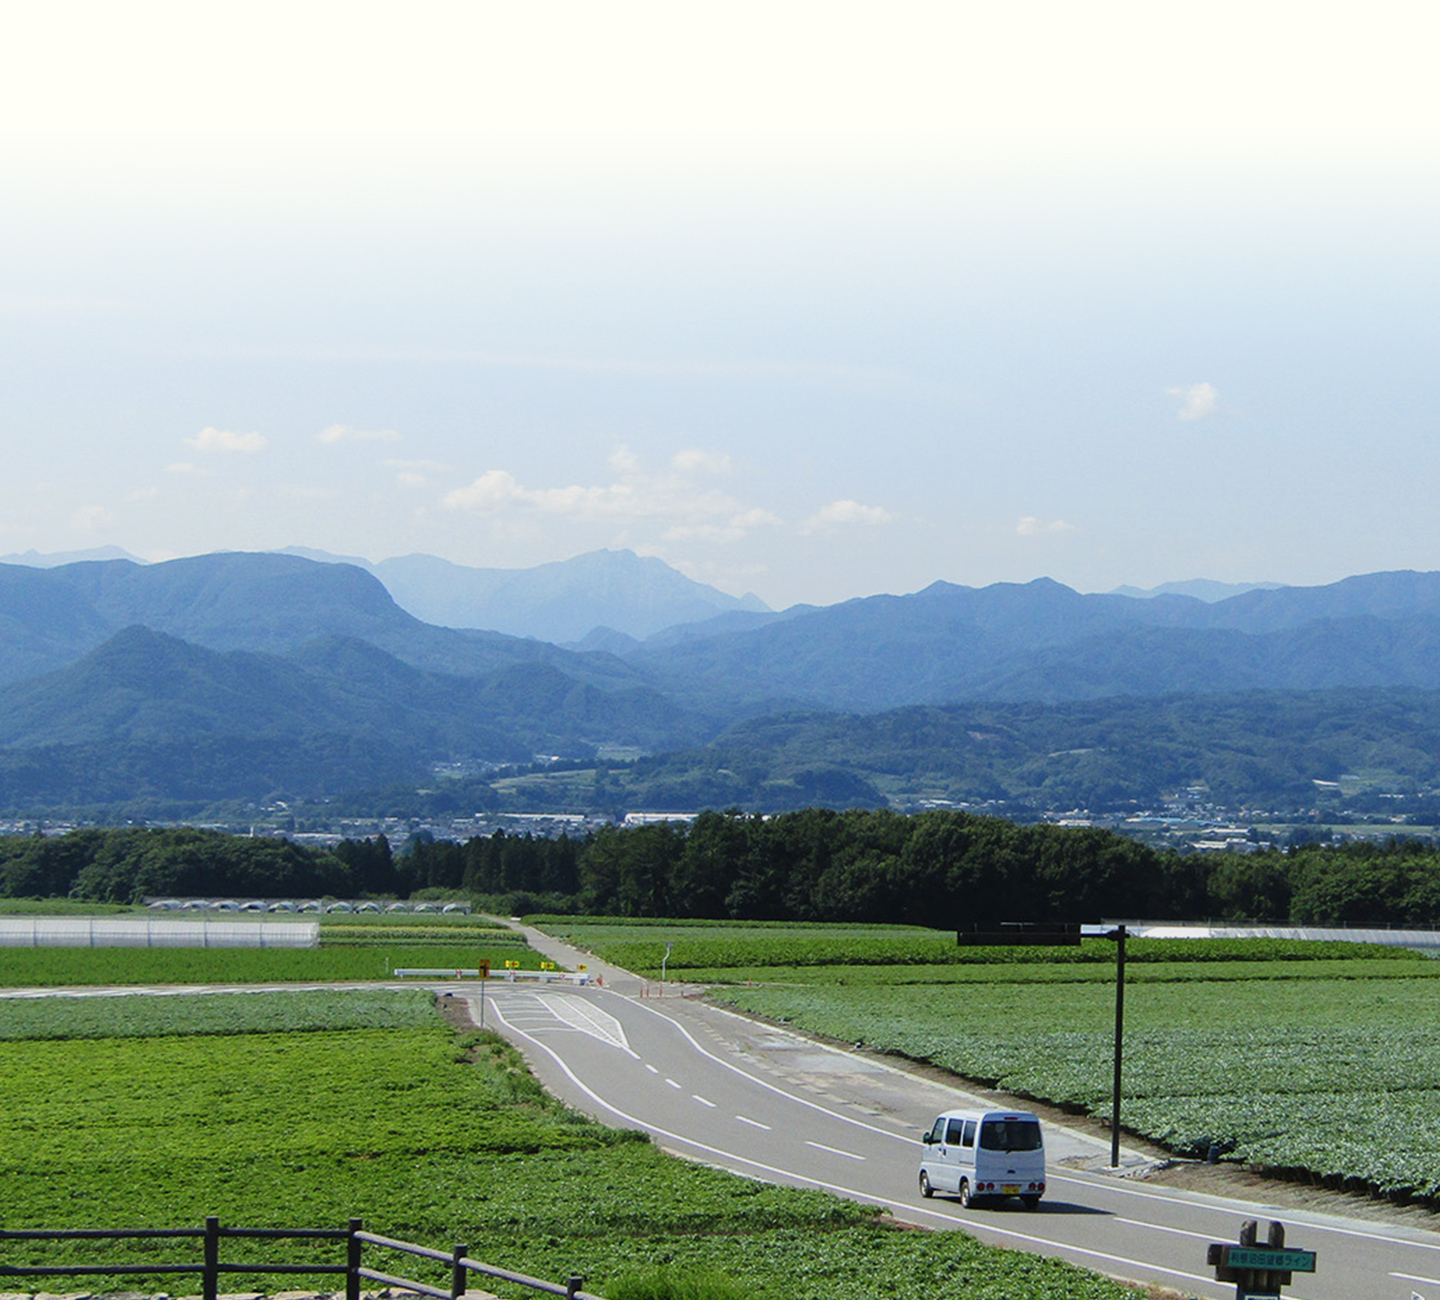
{"x":1284,"y":1261}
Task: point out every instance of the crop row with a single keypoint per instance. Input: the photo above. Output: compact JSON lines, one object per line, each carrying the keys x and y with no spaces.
{"x":1190,"y":972}
{"x":1271,"y":1073}
{"x":346,"y":932}
{"x":65,"y":967}
{"x":699,"y":950}
{"x":291,"y":1011}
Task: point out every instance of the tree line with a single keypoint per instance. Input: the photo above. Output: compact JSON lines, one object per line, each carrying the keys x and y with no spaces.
{"x":940,"y":869}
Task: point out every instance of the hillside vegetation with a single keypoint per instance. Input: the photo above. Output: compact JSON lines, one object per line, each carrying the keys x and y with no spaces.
{"x":294,"y":681}
{"x":942,"y":870}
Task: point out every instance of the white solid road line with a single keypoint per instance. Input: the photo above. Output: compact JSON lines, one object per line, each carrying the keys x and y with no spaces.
{"x":834,"y":1151}
{"x":866,"y":1198}
{"x":1117,"y":1186}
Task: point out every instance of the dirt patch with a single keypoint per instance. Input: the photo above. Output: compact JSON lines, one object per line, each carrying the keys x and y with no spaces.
{"x":456,"y":1012}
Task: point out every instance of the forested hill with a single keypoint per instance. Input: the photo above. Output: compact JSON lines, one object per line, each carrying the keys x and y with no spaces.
{"x":942,"y":870}
{"x":171,"y":690}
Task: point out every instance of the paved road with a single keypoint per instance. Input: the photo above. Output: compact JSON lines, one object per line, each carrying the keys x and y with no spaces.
{"x":725,"y":1090}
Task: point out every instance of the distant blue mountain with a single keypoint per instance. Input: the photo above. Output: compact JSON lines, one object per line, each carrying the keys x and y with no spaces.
{"x":53,"y":560}
{"x":561,"y":602}
{"x":130,"y":667}
{"x":1042,"y":641}
{"x":1205,"y":589}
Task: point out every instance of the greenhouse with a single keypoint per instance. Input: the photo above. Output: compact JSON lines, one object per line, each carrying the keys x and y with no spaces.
{"x":148,"y":932}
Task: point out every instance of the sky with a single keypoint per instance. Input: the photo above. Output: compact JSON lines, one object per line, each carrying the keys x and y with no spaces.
{"x":811,"y":300}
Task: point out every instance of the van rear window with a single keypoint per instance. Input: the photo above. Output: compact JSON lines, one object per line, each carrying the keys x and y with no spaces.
{"x":1010,"y":1135}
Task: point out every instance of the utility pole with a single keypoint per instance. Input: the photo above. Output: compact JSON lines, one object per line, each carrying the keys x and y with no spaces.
{"x":1118,"y":934}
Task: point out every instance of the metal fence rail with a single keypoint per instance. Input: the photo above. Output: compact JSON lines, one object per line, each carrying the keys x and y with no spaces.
{"x":211,"y":1268}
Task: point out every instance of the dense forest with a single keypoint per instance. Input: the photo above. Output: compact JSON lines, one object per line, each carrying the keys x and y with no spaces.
{"x":941,"y":869}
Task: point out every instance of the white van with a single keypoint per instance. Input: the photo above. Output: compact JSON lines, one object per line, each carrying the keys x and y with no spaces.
{"x":984,"y":1153}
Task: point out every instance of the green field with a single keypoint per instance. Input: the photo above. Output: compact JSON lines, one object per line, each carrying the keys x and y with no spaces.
{"x":66,"y":967}
{"x":368,"y":1105}
{"x":1327,"y":1068}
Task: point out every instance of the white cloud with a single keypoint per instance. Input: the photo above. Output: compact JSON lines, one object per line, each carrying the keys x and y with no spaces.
{"x":839,"y":513}
{"x":673,"y":497}
{"x":695,"y":461}
{"x":90,"y":518}
{"x":1030,"y":526}
{"x":415,"y":473}
{"x":344,"y":433}
{"x":494,"y":489}
{"x":1197,"y":400}
{"x":730,"y":530}
{"x":226,"y":440}
{"x":624,"y":461}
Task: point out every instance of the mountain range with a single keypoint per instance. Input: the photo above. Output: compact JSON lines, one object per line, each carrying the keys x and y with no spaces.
{"x":276,"y":675}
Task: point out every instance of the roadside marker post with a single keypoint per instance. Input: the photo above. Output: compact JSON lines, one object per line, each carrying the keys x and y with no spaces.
{"x":1258,"y":1271}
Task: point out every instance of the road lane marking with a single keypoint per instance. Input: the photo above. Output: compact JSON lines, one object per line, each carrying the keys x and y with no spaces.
{"x":1161,"y":1227}
{"x":583,"y":1015}
{"x":1116,"y":1186}
{"x":834,"y":1151}
{"x":754,"y":1123}
{"x":560,"y":1013}
{"x":866,"y":1198}
{"x":672,"y":1083}
{"x":703,"y":1100}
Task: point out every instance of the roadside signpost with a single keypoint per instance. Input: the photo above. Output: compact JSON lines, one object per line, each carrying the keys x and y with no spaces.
{"x":1057,"y":933}
{"x":1118,"y":934}
{"x":1258,"y":1271}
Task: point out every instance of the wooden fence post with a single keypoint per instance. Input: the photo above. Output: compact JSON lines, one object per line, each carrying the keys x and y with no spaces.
{"x":210,"y":1278}
{"x":457,"y":1272}
{"x":352,"y":1260}
{"x":573,"y":1285}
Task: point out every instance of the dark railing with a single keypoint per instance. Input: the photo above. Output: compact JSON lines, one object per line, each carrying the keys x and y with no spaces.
{"x":211,"y":1268}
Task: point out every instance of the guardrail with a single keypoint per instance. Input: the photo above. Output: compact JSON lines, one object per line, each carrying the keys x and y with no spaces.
{"x":210,"y":1268}
{"x":511,"y":976}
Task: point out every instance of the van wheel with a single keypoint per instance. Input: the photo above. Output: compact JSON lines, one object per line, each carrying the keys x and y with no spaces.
{"x":1030,"y":1202}
{"x":925,"y":1189}
{"x":964,"y":1193}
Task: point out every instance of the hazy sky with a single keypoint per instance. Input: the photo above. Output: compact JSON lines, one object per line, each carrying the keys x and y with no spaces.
{"x":810,"y":299}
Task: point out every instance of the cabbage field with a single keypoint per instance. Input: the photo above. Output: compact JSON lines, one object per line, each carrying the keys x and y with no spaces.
{"x":304,"y":1108}
{"x":1320,"y":1061}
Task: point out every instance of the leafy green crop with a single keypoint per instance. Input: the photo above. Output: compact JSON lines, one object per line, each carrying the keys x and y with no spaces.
{"x":433,"y":1138}
{"x":715,"y":947}
{"x":139,"y":1016}
{"x":1273,"y":1072}
{"x":65,"y":967}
